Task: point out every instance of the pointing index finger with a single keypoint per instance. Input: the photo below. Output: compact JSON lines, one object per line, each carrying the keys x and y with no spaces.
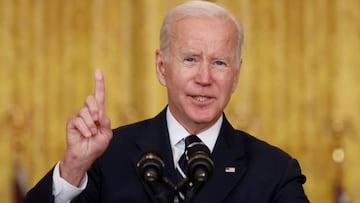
{"x":99,"y":87}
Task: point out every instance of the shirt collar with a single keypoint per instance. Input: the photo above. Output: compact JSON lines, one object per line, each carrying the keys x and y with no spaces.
{"x":177,"y":132}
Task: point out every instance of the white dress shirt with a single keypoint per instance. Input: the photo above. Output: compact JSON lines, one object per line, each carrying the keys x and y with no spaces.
{"x":64,"y":192}
{"x":178,"y":134}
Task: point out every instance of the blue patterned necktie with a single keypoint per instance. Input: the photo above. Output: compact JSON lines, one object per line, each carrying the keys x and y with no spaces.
{"x":182,"y":167}
{"x":190,"y":141}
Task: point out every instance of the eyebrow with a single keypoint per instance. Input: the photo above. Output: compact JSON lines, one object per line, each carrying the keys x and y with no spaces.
{"x":222,"y":58}
{"x":189,"y":53}
{"x":193,"y":53}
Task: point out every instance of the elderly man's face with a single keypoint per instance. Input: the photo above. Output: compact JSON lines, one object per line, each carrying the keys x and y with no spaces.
{"x":199,"y":70}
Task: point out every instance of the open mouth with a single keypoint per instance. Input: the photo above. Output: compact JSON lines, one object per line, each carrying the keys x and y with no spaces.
{"x":201,"y":98}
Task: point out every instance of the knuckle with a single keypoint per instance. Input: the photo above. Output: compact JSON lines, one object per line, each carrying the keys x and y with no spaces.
{"x":78,"y":121}
{"x":88,"y":99}
{"x":83,"y":111}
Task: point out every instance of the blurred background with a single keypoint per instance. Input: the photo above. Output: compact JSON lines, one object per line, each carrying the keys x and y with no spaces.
{"x":299,"y":85}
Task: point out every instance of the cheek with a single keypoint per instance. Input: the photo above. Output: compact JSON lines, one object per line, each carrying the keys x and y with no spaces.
{"x":226,"y":85}
{"x":179,"y":75}
{"x":174,"y":80}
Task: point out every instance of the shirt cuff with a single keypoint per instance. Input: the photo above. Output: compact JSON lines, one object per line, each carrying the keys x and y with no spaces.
{"x":64,"y":191}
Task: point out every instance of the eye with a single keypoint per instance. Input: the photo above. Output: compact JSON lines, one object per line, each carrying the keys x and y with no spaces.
{"x":189,"y":60}
{"x":219,"y":63}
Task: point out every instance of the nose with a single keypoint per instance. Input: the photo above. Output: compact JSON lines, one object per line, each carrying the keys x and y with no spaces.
{"x":203,"y":76}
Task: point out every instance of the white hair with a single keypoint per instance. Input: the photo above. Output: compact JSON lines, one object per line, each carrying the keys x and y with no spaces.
{"x":197,"y":9}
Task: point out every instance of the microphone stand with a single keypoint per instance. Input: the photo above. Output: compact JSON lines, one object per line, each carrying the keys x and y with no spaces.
{"x":188,"y":196}
{"x":176,"y":197}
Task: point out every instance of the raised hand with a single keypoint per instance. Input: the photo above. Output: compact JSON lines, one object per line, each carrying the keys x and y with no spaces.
{"x":88,"y":134}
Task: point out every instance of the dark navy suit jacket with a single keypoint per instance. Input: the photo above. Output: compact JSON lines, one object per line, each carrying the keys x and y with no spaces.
{"x":260,"y":173}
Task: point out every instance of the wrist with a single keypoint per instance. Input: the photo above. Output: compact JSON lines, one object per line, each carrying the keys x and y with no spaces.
{"x":72,"y":170}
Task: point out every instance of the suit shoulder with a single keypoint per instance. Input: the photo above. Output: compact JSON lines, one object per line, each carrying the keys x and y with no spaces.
{"x":267,"y":159}
{"x":131,"y":126}
{"x":261,"y":148}
{"x":130,"y":131}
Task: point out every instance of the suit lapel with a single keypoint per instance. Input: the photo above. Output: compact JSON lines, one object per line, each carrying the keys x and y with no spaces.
{"x":156,"y":136}
{"x":229,"y":165}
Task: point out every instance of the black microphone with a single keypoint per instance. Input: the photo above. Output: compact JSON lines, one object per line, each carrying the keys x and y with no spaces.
{"x":150,"y":168}
{"x":200,"y":168}
{"x":200,"y":163}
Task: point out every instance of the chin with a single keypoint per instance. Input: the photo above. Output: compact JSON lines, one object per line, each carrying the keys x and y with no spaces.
{"x":203,"y":118}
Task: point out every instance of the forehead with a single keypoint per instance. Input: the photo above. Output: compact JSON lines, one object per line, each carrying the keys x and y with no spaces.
{"x":215,"y":32}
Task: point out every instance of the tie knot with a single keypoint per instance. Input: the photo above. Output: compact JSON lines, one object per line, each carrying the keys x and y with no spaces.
{"x":193,"y":144}
{"x":192,"y":140}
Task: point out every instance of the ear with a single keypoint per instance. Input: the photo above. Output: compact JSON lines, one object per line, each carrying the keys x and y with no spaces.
{"x":160,"y":67}
{"x":236,"y":77}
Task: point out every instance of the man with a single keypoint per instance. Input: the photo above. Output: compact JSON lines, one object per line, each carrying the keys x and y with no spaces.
{"x":199,"y":63}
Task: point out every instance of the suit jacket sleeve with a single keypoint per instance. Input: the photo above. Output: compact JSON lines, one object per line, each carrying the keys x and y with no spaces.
{"x":290,"y":188}
{"x":42,"y":192}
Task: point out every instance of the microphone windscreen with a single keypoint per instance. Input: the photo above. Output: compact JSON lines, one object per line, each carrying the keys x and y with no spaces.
{"x":150,"y":161}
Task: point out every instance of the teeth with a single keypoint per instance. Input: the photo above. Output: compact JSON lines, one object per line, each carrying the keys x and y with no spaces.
{"x":201,"y":99}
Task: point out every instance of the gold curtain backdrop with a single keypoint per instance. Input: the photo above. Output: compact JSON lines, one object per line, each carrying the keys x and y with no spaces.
{"x":299,"y":83}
